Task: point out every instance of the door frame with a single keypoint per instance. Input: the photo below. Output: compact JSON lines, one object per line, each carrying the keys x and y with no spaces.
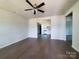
{"x":44,"y":18}
{"x":67,"y":41}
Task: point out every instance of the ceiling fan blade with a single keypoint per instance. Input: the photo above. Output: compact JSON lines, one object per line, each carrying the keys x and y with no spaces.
{"x":34,"y":12}
{"x":42,"y":4}
{"x":29,"y":3}
{"x":28,"y":9}
{"x":41,"y":10}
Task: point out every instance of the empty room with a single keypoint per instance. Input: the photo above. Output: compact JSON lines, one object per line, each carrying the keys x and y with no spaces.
{"x":39,"y":29}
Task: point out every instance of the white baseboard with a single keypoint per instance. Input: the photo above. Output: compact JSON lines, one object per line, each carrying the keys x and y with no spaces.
{"x":11,"y":43}
{"x":75,"y":48}
{"x":59,"y":39}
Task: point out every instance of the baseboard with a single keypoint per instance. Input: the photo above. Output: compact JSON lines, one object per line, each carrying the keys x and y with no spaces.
{"x":32,"y":38}
{"x":58,"y":39}
{"x":12,"y":43}
{"x":75,"y":48}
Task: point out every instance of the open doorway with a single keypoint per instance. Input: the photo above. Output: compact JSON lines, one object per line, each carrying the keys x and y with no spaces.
{"x":44,"y":29}
{"x":69,"y":29}
{"x":39,"y":28}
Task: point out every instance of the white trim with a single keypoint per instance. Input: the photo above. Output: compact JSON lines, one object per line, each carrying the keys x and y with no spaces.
{"x":12,"y":43}
{"x":59,"y":39}
{"x":75,"y":48}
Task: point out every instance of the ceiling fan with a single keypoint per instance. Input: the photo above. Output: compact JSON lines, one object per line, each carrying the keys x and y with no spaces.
{"x":35,"y":8}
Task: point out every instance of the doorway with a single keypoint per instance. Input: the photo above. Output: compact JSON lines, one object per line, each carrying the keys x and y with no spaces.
{"x":44,"y":28}
{"x":69,"y":29}
{"x":39,"y":28}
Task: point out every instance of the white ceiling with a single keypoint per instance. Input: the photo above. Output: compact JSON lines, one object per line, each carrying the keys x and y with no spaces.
{"x":52,"y":7}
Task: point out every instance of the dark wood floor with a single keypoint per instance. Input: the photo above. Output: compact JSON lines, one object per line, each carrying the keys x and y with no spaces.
{"x":38,"y":49}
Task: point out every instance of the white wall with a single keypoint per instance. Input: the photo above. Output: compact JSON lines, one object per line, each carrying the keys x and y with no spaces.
{"x":32,"y":32}
{"x":13,"y":28}
{"x":33,"y":26}
{"x":58,"y":27}
{"x":75,"y":10}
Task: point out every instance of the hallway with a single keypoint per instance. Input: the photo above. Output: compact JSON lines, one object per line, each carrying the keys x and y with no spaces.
{"x":38,"y":49}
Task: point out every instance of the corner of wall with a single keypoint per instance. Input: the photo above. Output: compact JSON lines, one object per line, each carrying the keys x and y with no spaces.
{"x":75,"y":48}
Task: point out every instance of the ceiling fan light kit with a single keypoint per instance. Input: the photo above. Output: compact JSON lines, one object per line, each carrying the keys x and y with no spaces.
{"x":35,"y":8}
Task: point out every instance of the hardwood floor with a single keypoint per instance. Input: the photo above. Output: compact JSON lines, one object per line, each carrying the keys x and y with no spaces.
{"x":38,"y":49}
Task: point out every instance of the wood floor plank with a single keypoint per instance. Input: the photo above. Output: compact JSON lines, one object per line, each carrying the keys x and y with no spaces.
{"x":38,"y":49}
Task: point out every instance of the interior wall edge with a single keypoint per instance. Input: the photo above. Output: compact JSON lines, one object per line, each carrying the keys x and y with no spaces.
{"x":75,"y":48}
